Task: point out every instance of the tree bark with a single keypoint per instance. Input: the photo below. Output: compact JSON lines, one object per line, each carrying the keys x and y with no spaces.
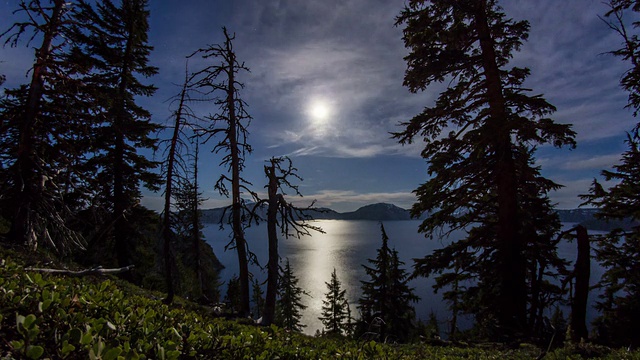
{"x":195,"y":218}
{"x":582,"y":272}
{"x":22,"y":227}
{"x":238,"y":231}
{"x":512,"y":301}
{"x":166,"y":220}
{"x":272,"y":265}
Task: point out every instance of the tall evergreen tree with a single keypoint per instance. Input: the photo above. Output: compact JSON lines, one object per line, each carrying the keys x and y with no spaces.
{"x":619,"y":251}
{"x":387,"y":295}
{"x":289,"y":305}
{"x":478,"y":170}
{"x":630,"y":51}
{"x":230,"y":122}
{"x":112,"y":41}
{"x":39,"y":126}
{"x":335,"y":308}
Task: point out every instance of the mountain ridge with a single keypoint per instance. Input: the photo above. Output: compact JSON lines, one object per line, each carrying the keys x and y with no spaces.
{"x":391,"y":212}
{"x":372,"y":212}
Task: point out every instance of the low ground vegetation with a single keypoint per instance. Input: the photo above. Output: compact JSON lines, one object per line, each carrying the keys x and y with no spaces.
{"x":44,"y":316}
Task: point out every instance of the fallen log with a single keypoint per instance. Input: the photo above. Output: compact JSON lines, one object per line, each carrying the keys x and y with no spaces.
{"x":93,"y":271}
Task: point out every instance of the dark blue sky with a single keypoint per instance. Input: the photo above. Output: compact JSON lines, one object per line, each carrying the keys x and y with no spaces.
{"x":325,"y":88}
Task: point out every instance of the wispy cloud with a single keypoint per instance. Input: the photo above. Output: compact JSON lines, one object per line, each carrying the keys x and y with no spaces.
{"x":602,"y":162}
{"x":568,"y":197}
{"x":347,"y":53}
{"x":15,"y":64}
{"x":566,"y":52}
{"x":349,"y":82}
{"x":579,"y":161}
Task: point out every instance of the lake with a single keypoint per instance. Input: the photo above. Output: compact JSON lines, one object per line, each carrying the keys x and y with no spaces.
{"x":346,"y":245}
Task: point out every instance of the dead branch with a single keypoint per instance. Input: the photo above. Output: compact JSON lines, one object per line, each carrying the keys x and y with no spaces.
{"x":93,"y":271}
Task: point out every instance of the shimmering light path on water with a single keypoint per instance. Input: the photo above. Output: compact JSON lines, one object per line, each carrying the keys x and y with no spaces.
{"x":346,"y":245}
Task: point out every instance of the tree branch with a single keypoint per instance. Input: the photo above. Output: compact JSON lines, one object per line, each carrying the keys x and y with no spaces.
{"x":93,"y":271}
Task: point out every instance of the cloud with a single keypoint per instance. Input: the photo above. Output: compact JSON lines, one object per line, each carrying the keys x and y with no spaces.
{"x":152,"y":202}
{"x":568,"y":197}
{"x":567,"y":54}
{"x":346,"y":53}
{"x":593,"y":163}
{"x":574,"y":161}
{"x":365,"y":99}
{"x":15,"y":64}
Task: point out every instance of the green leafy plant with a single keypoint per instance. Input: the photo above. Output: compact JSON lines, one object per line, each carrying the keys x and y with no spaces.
{"x":45,"y":316}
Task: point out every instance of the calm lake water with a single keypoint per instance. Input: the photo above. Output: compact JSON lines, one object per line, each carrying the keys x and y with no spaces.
{"x":346,"y":246}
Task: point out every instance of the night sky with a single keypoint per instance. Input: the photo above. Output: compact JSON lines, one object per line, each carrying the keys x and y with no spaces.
{"x":325,"y":88}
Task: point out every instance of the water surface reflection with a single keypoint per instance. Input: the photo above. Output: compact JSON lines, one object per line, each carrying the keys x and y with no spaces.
{"x":346,"y":245}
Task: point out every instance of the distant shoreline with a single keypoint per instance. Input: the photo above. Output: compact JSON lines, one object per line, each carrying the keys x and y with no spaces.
{"x":390,"y":212}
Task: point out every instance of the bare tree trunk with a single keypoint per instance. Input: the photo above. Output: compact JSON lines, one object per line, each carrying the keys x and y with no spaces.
{"x":272,"y":265}
{"x":238,"y":231}
{"x":195,"y":217}
{"x":166,"y":220}
{"x":27,"y":179}
{"x":582,"y":273}
{"x":453,"y":329}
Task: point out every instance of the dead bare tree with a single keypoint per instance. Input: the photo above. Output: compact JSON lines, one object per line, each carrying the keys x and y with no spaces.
{"x":230,"y":122}
{"x":174,"y":172}
{"x":282,"y":215}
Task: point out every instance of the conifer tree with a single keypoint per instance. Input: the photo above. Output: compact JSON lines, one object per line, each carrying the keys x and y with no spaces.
{"x":618,"y":251}
{"x":187,"y":226}
{"x":335,"y":308}
{"x":39,"y":126}
{"x":232,"y":297}
{"x":480,"y":168}
{"x":115,"y":47}
{"x":387,"y":295}
{"x":289,"y":305}
{"x":230,"y":122}
{"x":630,"y":51}
{"x":432,"y":327}
{"x":257,"y":299}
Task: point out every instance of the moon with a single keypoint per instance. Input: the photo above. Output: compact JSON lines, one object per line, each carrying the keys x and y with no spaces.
{"x":319,"y":111}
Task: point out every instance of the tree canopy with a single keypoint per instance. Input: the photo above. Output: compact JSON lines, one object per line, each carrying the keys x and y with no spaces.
{"x":479,"y":140}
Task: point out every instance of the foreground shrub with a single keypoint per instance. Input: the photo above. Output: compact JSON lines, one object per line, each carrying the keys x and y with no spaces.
{"x":44,"y":316}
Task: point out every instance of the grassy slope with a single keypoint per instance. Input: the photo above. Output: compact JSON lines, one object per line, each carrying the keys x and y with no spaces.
{"x":46,"y":316}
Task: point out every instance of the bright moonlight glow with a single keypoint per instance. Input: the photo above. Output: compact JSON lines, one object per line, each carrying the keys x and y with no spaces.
{"x":319,"y":111}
